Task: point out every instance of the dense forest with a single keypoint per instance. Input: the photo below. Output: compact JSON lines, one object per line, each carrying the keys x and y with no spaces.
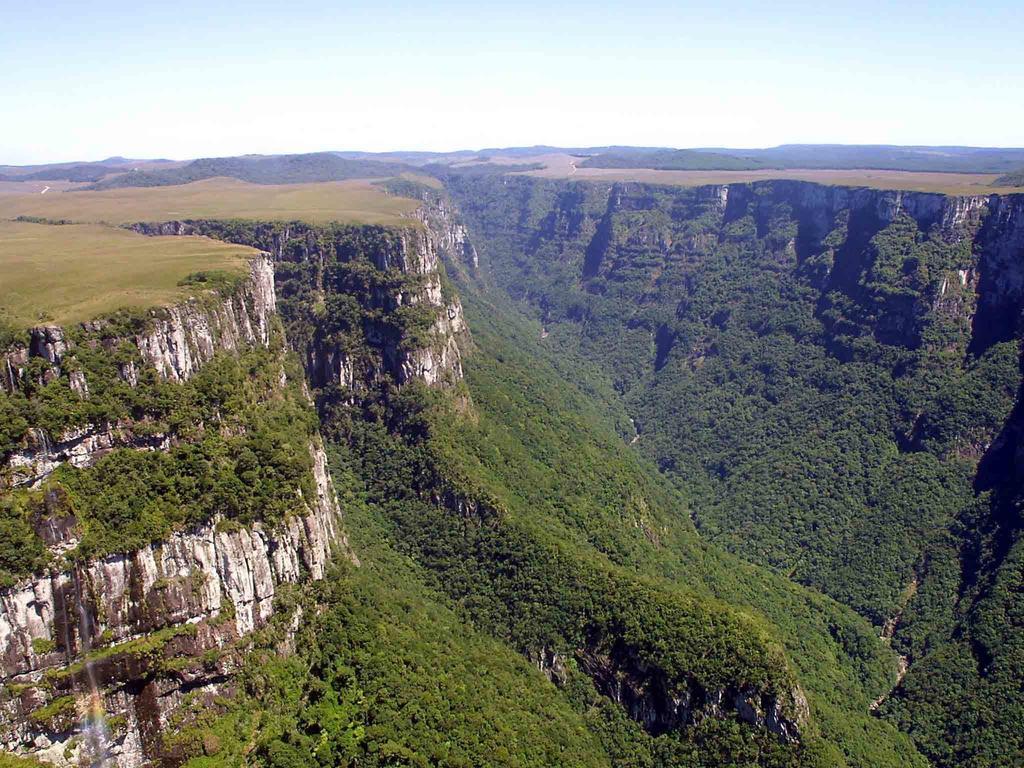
{"x":568,"y":549}
{"x":817,"y":374}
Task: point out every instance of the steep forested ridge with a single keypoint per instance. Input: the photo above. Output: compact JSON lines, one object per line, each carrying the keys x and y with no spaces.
{"x":830,"y":376}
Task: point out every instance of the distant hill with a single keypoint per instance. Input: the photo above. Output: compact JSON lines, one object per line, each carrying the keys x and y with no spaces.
{"x":78,"y":171}
{"x":816,"y":156}
{"x":670,"y":160}
{"x":116,"y":172}
{"x":261,"y":169}
{"x":889,"y":157}
{"x":422,"y":158}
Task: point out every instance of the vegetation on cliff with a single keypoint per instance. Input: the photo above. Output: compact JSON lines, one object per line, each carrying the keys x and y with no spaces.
{"x":543,"y":530}
{"x":804,"y":374}
{"x":238,"y":446}
{"x":807,"y":371}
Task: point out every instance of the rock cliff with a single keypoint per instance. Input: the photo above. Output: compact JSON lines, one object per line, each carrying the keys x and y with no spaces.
{"x":131,"y":634}
{"x":175,"y":341}
{"x":398,"y":322}
{"x":661,"y":707}
{"x":113,"y":628}
{"x":185,"y":336}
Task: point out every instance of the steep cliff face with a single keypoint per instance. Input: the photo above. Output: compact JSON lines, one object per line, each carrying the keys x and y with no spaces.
{"x":359,"y":328}
{"x":999,"y":274}
{"x":141,"y":630}
{"x":185,"y":336}
{"x":135,"y":633}
{"x":447,"y":230}
{"x":97,"y":653}
{"x":661,"y":706}
{"x":174,"y":341}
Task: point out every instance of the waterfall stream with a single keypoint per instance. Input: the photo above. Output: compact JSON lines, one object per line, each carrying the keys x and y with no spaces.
{"x":96,"y":741}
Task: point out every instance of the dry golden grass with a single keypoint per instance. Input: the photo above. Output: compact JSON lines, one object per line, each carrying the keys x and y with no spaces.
{"x":342,"y":201}
{"x":30,"y":188}
{"x":71,"y":273}
{"x":563,"y":166}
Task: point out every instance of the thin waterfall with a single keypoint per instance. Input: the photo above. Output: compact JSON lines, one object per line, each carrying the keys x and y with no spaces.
{"x":96,"y":751}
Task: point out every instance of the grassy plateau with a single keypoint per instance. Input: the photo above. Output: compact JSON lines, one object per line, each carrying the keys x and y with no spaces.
{"x":342,"y":201}
{"x":561,"y":166}
{"x":75,"y":272}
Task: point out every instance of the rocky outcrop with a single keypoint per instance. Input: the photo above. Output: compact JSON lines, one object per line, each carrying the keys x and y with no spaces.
{"x":48,"y":342}
{"x":441,"y":363}
{"x":177,"y":340}
{"x":447,"y":232}
{"x":131,"y":634}
{"x":659,"y":707}
{"x":185,"y":336}
{"x":202,"y":588}
{"x":1000,"y":273}
{"x":80,"y":447}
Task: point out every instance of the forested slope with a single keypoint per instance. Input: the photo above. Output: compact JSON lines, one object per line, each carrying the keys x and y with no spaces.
{"x":523,"y":512}
{"x":830,"y":377}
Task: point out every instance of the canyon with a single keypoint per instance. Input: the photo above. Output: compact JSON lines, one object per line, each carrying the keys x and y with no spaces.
{"x":831,"y":375}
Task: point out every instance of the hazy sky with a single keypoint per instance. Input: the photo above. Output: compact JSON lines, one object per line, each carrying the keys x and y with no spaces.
{"x":85,"y":80}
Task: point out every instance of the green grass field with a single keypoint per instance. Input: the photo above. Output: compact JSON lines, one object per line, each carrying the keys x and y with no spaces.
{"x":342,"y":201}
{"x":71,"y":273}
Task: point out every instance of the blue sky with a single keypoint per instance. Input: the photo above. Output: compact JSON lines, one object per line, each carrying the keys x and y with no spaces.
{"x":85,"y":80}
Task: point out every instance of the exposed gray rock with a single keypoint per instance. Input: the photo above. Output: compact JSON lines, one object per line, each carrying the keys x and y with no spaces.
{"x":83,"y":446}
{"x":185,"y":336}
{"x":48,"y":342}
{"x":660,"y":706}
{"x":448,"y":234}
{"x":416,"y":252}
{"x":191,"y":578}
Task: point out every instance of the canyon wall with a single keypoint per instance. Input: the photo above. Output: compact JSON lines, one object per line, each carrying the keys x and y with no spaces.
{"x":405,"y":289}
{"x":134,"y":634}
{"x":834,"y":373}
{"x":142,"y":630}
